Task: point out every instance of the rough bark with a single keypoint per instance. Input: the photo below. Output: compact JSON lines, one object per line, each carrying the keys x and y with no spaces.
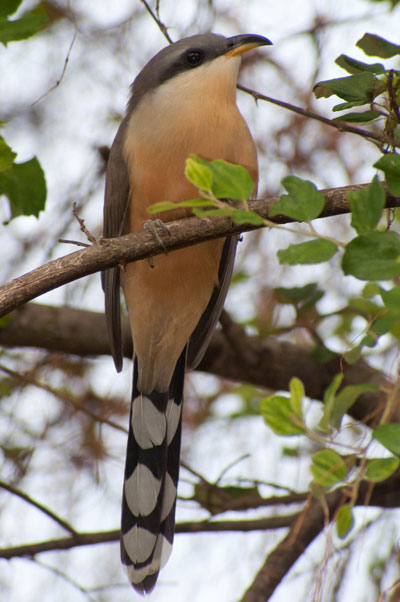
{"x":132,"y":247}
{"x":232,"y":354}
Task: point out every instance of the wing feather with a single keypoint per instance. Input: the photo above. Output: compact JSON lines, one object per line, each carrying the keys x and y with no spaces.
{"x":116,"y":202}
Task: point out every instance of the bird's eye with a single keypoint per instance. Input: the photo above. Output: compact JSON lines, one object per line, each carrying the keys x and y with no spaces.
{"x":194,"y":57}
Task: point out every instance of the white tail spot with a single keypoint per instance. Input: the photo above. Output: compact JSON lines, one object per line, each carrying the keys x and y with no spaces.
{"x":141,"y":491}
{"x":169,"y":497}
{"x":139,"y":544}
{"x":173,"y":415}
{"x":148,"y":424}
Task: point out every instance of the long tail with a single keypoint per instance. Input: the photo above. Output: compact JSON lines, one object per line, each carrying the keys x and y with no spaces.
{"x":151,"y":479}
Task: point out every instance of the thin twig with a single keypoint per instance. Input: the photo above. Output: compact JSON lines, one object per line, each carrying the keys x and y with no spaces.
{"x":39,"y":506}
{"x":339,"y":125}
{"x":83,"y":228}
{"x":73,"y":242}
{"x":61,"y":395}
{"x":281,"y":559}
{"x":160,"y":24}
{"x":59,"y":573}
{"x":58,"y":82}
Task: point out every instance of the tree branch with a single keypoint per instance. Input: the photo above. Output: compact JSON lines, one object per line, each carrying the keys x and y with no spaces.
{"x":232,"y":354}
{"x":88,"y":539}
{"x":304,"y":527}
{"x":132,"y":247}
{"x":27,"y":498}
{"x":342,"y":126}
{"x":308,"y":526}
{"x":282,"y":558}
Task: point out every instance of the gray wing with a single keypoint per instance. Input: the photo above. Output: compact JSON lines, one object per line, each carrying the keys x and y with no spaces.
{"x":116,"y":202}
{"x":201,"y":336}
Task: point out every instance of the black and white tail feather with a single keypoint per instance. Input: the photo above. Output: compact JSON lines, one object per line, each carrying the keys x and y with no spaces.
{"x":151,"y":479}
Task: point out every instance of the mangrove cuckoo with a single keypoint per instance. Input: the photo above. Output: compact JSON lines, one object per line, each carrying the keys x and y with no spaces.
{"x":182,"y":102}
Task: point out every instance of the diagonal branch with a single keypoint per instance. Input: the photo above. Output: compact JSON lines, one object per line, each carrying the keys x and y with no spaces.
{"x":132,"y":247}
{"x":342,"y":126}
{"x":309,"y":524}
{"x":302,"y":532}
{"x":27,"y":498}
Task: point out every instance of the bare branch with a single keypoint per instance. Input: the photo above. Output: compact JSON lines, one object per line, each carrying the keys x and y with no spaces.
{"x":232,"y":354}
{"x":76,"y":403}
{"x":132,"y":247}
{"x":342,"y":126}
{"x":282,"y":558}
{"x":306,"y":528}
{"x":160,"y":24}
{"x":88,"y":539}
{"x":304,"y":525}
{"x":27,"y":498}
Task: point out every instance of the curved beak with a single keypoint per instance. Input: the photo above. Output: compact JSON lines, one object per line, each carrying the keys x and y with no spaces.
{"x":239,"y":44}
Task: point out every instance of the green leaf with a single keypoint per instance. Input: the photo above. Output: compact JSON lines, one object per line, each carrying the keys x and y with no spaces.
{"x":353,"y":66}
{"x":374,"y":45}
{"x":344,"y":521}
{"x":295,"y":294}
{"x":225,"y":180}
{"x":280,"y":415}
{"x":23,"y":28}
{"x":345,"y":399}
{"x":8,"y":7}
{"x":383,"y":323}
{"x":366,"y":206}
{"x":370,"y":290}
{"x":373,"y":256}
{"x":240,"y":216}
{"x":364,"y":307}
{"x":198,"y":173}
{"x":353,"y":355}
{"x":314,"y":251}
{"x":379,"y":470}
{"x":329,"y":401}
{"x":168,"y":206}
{"x":358,"y":87}
{"x":25,"y":186}
{"x":160,"y":207}
{"x":303,"y":203}
{"x":391,"y":299}
{"x":390,"y":164}
{"x":223,"y":212}
{"x":343,"y":106}
{"x":389,"y":436}
{"x":7,"y":156}
{"x":297,"y":393}
{"x":360,"y":117}
{"x":239,"y":277}
{"x":328,"y":468}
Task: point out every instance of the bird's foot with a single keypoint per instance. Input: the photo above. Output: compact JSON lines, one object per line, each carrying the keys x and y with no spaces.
{"x":152,"y":225}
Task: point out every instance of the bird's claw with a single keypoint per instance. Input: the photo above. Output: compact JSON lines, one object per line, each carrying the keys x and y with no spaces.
{"x":152,"y":225}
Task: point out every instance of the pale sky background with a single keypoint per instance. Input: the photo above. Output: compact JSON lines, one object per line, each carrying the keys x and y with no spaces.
{"x":77,"y":117}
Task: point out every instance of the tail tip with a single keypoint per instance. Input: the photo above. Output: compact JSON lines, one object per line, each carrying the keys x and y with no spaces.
{"x":142,"y":586}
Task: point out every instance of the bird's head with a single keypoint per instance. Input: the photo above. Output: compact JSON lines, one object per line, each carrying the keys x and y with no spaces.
{"x":204,"y":58}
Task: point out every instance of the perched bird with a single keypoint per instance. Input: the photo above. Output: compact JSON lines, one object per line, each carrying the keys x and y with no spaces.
{"x":182,"y":102}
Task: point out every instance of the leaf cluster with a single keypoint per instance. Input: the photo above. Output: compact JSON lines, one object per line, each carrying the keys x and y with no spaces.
{"x":22,"y":183}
